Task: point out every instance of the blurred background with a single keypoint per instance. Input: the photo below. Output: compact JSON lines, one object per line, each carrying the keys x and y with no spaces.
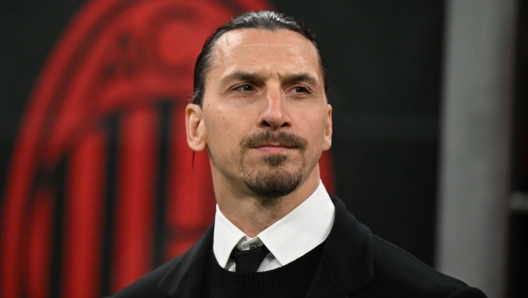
{"x":97,"y":183}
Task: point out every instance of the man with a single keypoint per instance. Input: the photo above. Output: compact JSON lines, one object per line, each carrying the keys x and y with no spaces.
{"x":260,"y":110}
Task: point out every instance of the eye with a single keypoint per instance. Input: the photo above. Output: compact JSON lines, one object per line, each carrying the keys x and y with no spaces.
{"x":299,"y":89}
{"x":244,"y":88}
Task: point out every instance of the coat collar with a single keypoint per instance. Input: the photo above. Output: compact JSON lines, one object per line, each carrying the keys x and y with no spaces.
{"x":346,"y":265}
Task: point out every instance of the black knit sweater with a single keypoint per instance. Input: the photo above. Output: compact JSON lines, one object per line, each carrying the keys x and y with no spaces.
{"x":292,"y":280}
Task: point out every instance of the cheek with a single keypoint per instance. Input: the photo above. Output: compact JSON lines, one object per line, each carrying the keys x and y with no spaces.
{"x":315,"y":129}
{"x":315,"y":135}
{"x":224,"y":133}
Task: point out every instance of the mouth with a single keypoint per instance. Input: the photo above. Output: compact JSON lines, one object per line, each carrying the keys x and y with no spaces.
{"x":264,"y":144}
{"x":273,"y":148}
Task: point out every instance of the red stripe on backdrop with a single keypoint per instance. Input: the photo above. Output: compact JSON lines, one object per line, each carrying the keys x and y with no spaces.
{"x":327,"y":172}
{"x":39,"y":235}
{"x":135,"y":199}
{"x":191,"y":198}
{"x":86,"y":174}
{"x":18,"y":187}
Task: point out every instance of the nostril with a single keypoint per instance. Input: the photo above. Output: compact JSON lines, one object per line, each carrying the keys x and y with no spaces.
{"x":274,"y":124}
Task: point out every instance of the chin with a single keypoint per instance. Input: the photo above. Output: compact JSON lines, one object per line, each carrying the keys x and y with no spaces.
{"x":273,"y":183}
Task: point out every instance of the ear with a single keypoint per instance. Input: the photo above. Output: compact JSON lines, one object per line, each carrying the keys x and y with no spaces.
{"x":327,"y":142}
{"x":195,"y":127}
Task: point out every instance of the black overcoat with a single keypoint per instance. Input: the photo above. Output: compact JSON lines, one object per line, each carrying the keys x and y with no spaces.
{"x":355,"y":263}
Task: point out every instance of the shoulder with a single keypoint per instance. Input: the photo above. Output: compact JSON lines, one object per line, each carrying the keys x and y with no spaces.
{"x":173,"y":276}
{"x":399,"y":271}
{"x":387,"y":270}
{"x":147,"y":286}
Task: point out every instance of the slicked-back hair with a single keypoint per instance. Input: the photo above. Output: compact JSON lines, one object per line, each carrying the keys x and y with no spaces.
{"x":267,"y":20}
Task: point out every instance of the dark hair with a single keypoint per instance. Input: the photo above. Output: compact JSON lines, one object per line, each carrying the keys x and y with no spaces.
{"x":268,"y":20}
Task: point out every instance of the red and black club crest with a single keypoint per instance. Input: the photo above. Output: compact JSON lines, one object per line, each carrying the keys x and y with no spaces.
{"x":101,"y":187}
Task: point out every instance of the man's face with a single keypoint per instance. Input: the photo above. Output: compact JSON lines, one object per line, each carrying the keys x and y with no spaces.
{"x":265,"y":118}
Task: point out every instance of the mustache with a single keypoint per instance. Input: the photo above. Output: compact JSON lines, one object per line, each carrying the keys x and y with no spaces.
{"x":285,"y":139}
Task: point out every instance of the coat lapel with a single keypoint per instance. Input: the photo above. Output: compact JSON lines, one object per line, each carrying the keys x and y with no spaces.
{"x":347,"y":262}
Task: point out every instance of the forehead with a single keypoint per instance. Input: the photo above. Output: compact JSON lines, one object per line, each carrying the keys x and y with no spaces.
{"x":265,"y":50}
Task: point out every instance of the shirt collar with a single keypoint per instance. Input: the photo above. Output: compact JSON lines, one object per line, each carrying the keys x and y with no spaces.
{"x":226,"y":236}
{"x":291,"y":237}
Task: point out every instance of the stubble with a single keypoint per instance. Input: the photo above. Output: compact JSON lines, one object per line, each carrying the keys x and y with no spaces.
{"x":272,"y":178}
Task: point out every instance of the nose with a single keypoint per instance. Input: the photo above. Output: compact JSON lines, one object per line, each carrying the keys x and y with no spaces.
{"x":275,"y":115}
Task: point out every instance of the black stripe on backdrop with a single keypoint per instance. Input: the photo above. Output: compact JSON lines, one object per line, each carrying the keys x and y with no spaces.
{"x":163,"y":167}
{"x":112,"y":125}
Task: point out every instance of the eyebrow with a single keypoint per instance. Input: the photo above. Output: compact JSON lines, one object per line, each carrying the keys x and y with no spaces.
{"x":300,"y":77}
{"x":241,"y":76}
{"x":255,"y":77}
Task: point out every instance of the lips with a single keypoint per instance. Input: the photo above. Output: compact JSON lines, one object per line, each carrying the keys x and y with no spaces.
{"x":286,"y":146}
{"x":273,"y":148}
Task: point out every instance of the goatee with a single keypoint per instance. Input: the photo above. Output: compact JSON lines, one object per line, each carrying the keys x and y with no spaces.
{"x":272,"y":179}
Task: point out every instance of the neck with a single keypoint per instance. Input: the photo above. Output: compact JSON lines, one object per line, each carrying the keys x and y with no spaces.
{"x":253,"y":214}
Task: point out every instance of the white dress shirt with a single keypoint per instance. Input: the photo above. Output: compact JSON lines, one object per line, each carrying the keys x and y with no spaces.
{"x":291,"y":237}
